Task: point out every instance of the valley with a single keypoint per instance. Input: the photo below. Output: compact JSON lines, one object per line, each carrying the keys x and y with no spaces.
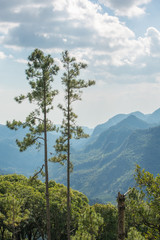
{"x":104,"y":164}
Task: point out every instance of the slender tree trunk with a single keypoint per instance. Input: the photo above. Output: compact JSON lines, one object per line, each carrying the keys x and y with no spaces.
{"x":68,"y":169}
{"x":29,"y":235}
{"x":46,"y":169}
{"x":14,"y":229}
{"x":17,"y":236}
{"x":121,"y":216}
{"x":68,"y":192}
{"x":2,"y":233}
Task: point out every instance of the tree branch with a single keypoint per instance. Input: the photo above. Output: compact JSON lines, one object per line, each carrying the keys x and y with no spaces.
{"x":37,"y":173}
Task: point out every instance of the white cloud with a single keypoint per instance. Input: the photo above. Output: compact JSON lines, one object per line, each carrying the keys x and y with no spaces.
{"x":13,"y":47}
{"x":23,"y":61}
{"x":2,"y":55}
{"x":102,"y":41}
{"x":6,"y":26}
{"x":153,"y":41}
{"x":31,"y":6}
{"x":129,"y":8}
{"x":80,"y":22}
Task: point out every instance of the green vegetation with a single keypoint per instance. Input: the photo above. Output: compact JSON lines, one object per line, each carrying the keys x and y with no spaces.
{"x":22,"y":211}
{"x":143,"y":206}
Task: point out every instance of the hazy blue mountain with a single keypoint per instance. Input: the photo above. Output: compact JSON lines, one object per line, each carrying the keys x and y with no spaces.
{"x":111,"y":122}
{"x":107,"y":165}
{"x":102,"y":173}
{"x":78,"y":145}
{"x":115,"y":135}
{"x":103,"y":164}
{"x":153,"y":118}
{"x":11,"y":160}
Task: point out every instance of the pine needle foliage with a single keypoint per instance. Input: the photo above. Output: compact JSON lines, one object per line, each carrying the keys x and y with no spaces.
{"x":39,"y":74}
{"x":69,"y":129}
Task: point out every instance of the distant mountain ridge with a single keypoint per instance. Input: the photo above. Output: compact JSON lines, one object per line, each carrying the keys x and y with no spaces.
{"x":13,"y":161}
{"x":118,"y":132}
{"x":108,"y":161}
{"x":103,"y":164}
{"x":110,"y":167}
{"x":153,"y":118}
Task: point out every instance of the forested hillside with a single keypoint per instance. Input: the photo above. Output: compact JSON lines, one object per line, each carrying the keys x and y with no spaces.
{"x":103,"y":164}
{"x":102,"y":172}
{"x":107,"y":163}
{"x":22,"y":211}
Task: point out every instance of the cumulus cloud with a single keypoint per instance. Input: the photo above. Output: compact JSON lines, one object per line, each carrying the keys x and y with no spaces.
{"x":73,"y":22}
{"x":6,"y":26}
{"x":129,"y":8}
{"x":80,"y":26}
{"x":65,"y":24}
{"x":153,"y":41}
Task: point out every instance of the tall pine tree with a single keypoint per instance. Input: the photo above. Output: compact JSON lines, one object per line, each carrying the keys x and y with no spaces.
{"x":73,"y":90}
{"x":40,"y":72}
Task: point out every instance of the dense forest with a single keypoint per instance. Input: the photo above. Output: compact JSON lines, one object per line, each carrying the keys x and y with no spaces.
{"x":22,"y":211}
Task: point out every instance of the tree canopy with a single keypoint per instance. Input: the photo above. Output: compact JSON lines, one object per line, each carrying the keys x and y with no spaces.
{"x":143,"y":206}
{"x":22,"y":211}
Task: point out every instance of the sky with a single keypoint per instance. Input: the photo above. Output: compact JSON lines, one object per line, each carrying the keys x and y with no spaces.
{"x":118,"y":39}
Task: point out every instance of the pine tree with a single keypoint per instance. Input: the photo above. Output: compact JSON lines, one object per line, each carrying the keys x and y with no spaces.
{"x":69,"y":129}
{"x":40,"y":76}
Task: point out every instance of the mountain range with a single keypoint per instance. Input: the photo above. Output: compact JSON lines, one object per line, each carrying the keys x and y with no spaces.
{"x":104,"y":164}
